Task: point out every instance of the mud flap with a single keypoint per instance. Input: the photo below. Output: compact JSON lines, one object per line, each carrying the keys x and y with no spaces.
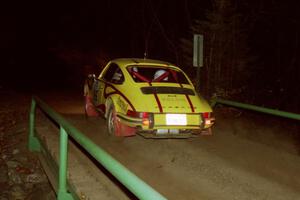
{"x":122,"y":129}
{"x":90,"y":108}
{"x":127,"y":130}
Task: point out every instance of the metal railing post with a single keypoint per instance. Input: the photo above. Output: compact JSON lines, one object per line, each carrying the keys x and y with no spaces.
{"x":33,"y":142}
{"x":213,"y":102}
{"x":63,"y":194}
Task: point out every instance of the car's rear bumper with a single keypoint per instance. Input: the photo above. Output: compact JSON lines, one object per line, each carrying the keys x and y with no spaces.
{"x":153,"y":134}
{"x":160,"y":129}
{"x":158,"y":121}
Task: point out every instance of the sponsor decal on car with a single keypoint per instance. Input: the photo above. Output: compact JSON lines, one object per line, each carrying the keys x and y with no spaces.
{"x":122,"y":104}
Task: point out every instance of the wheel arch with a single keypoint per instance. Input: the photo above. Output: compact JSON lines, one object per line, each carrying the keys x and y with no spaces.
{"x":110,"y":102}
{"x":120,"y":101}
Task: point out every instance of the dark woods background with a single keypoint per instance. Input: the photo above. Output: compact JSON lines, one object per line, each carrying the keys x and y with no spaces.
{"x":251,"y":47}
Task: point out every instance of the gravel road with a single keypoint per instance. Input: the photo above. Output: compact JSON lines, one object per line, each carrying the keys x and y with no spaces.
{"x":242,"y":160}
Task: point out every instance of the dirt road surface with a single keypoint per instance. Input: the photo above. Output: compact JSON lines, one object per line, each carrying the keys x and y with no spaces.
{"x":244,"y":159}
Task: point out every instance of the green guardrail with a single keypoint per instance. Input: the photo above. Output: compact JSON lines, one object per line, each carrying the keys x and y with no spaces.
{"x":133,"y":183}
{"x":255,"y":108}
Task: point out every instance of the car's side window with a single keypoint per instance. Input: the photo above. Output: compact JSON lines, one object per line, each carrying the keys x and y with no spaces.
{"x":118,"y":77}
{"x":114,"y":74}
{"x":110,"y":72}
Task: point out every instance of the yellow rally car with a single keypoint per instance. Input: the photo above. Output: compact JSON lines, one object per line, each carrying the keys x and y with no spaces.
{"x":149,"y":97}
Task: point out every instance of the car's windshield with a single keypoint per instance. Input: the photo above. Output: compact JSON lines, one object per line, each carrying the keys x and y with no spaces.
{"x":156,"y":74}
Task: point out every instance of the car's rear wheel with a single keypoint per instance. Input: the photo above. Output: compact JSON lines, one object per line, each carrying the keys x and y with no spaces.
{"x":114,"y":125}
{"x":112,"y":122}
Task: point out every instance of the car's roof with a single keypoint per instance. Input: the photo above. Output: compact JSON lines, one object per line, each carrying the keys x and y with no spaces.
{"x":141,"y":61}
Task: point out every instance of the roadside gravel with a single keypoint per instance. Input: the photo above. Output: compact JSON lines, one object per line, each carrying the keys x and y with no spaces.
{"x":21,"y":176}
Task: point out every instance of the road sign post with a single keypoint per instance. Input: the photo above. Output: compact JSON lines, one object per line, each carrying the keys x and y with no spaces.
{"x":198,"y":56}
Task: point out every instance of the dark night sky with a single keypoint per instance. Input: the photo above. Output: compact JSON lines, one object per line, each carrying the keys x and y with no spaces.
{"x":31,"y":31}
{"x":88,"y":25}
{"x":33,"y":34}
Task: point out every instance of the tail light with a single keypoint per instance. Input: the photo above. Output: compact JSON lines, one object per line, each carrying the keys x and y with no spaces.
{"x":147,"y":118}
{"x":131,"y":113}
{"x":207,"y":118}
{"x":206,"y":115}
{"x":146,"y":122}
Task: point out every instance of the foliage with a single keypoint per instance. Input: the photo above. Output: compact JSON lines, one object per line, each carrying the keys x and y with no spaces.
{"x":226,"y":56}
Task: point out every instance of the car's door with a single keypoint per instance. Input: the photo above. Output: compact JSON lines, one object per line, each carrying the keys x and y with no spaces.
{"x":98,"y":87}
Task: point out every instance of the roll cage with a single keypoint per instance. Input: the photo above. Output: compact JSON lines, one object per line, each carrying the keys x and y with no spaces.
{"x":169,"y":75}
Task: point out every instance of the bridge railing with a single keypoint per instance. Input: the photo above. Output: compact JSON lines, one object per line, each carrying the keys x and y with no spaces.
{"x":133,"y":183}
{"x":270,"y":111}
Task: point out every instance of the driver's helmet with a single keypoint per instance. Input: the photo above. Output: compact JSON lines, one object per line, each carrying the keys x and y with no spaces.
{"x":158,"y":73}
{"x":135,"y":69}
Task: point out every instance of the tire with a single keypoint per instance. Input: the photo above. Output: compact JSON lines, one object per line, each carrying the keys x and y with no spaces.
{"x":112,"y":123}
{"x":115,"y":127}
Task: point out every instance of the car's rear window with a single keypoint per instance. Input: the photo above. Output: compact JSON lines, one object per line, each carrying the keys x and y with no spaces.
{"x":156,"y":74}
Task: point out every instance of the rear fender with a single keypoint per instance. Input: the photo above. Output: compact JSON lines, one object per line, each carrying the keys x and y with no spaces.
{"x":119,"y":103}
